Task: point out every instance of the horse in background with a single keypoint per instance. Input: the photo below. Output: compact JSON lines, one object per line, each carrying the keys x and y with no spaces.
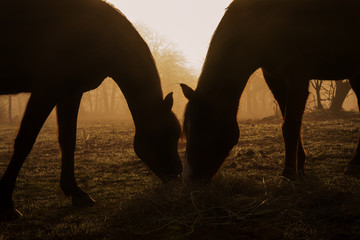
{"x":292,"y":42}
{"x":57,"y":50}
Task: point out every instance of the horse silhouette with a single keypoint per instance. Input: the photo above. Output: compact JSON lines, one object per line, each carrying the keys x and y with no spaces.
{"x":292,"y":42}
{"x":56,"y":50}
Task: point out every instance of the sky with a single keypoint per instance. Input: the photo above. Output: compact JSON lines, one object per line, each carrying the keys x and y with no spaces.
{"x":189,"y":24}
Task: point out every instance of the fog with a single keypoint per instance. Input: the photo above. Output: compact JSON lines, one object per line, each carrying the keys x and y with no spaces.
{"x":189,"y":24}
{"x":178,"y":34}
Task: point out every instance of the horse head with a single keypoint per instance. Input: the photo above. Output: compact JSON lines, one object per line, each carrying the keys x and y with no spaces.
{"x":155,"y":142}
{"x":210,"y":133}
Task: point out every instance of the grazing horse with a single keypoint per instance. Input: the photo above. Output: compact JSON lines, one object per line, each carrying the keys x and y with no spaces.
{"x":57,"y":50}
{"x":292,"y":42}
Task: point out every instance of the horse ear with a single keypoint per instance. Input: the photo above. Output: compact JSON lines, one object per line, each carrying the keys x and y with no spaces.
{"x":169,"y":101}
{"x":188,"y":92}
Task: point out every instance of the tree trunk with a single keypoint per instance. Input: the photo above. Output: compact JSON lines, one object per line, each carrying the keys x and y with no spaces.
{"x":105,"y":99}
{"x":341,"y":92}
{"x":90,"y":102}
{"x":10,"y":108}
{"x":248,"y":103}
{"x":96,"y":109}
{"x":319,"y":105}
{"x":316,"y":84}
{"x":112,"y":98}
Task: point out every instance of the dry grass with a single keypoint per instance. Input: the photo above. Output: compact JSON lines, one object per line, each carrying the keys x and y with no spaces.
{"x":246,"y":200}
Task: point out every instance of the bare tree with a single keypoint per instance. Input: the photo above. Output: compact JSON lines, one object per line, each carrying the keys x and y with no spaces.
{"x":340,"y":93}
{"x":317,"y":85}
{"x":330,"y":94}
{"x":10,"y":109}
{"x":257,"y":100}
{"x":108,"y":100}
{"x":171,"y":65}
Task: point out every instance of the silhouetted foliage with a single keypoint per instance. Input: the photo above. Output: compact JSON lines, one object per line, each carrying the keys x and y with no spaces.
{"x":57,"y":50}
{"x":330,"y":95}
{"x":107,"y":100}
{"x":341,"y":91}
{"x":171,"y":64}
{"x":292,"y":42}
{"x":316,"y":84}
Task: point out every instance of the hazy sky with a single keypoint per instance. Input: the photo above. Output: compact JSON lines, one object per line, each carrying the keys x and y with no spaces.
{"x":188,"y":23}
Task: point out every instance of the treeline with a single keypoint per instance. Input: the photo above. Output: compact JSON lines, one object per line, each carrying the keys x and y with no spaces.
{"x":257,"y":101}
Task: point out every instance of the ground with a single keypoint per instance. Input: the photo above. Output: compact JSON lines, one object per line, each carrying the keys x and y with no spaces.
{"x":246,"y":200}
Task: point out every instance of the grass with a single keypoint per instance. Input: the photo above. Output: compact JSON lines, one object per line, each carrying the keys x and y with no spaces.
{"x":246,"y":200}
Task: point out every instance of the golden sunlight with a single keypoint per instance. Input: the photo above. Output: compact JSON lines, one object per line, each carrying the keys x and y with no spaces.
{"x":187,"y":23}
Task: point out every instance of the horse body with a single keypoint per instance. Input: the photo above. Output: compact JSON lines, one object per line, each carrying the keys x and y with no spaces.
{"x":37,"y":43}
{"x":56,"y":50}
{"x":293,"y":42}
{"x":69,"y":38}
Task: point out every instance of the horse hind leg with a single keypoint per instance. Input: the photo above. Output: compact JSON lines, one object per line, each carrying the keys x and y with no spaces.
{"x":37,"y":111}
{"x":297,"y":93}
{"x":67,"y":111}
{"x":353,"y":167}
{"x":278,"y":88}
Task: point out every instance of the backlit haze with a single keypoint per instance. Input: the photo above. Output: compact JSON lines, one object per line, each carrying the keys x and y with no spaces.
{"x":189,"y":24}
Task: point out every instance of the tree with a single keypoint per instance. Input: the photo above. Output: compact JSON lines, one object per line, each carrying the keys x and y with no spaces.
{"x":317,"y":85}
{"x":341,"y":91}
{"x":257,"y":100}
{"x":107,"y":99}
{"x":331,"y":94}
{"x":171,"y":64}
{"x":10,"y":109}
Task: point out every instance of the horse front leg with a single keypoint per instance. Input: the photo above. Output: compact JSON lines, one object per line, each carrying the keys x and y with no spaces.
{"x":67,"y":112}
{"x":353,"y":167}
{"x":276,"y":85}
{"x":37,"y":111}
{"x":296,"y":95}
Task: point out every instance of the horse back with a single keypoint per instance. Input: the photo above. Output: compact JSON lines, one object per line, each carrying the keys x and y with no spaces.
{"x":56,"y":43}
{"x":292,"y":36}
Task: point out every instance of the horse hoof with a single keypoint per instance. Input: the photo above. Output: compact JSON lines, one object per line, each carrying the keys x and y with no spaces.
{"x":9,"y":214}
{"x":352,"y":170}
{"x":290,"y":174}
{"x":83,"y":201}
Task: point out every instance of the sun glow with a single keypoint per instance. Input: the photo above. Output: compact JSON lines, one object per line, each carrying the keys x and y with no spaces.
{"x":188,"y":23}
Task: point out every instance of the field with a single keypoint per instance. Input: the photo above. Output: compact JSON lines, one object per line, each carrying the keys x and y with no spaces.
{"x":246,"y":200}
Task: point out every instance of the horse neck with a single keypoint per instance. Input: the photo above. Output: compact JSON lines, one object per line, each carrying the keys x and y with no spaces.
{"x":132,"y":66}
{"x":139,"y":81}
{"x":222,"y":83}
{"x":228,"y":65}
{"x":143,"y":95}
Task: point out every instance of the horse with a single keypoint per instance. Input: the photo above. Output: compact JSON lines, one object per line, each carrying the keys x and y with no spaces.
{"x":292,"y":42}
{"x":56,"y":51}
